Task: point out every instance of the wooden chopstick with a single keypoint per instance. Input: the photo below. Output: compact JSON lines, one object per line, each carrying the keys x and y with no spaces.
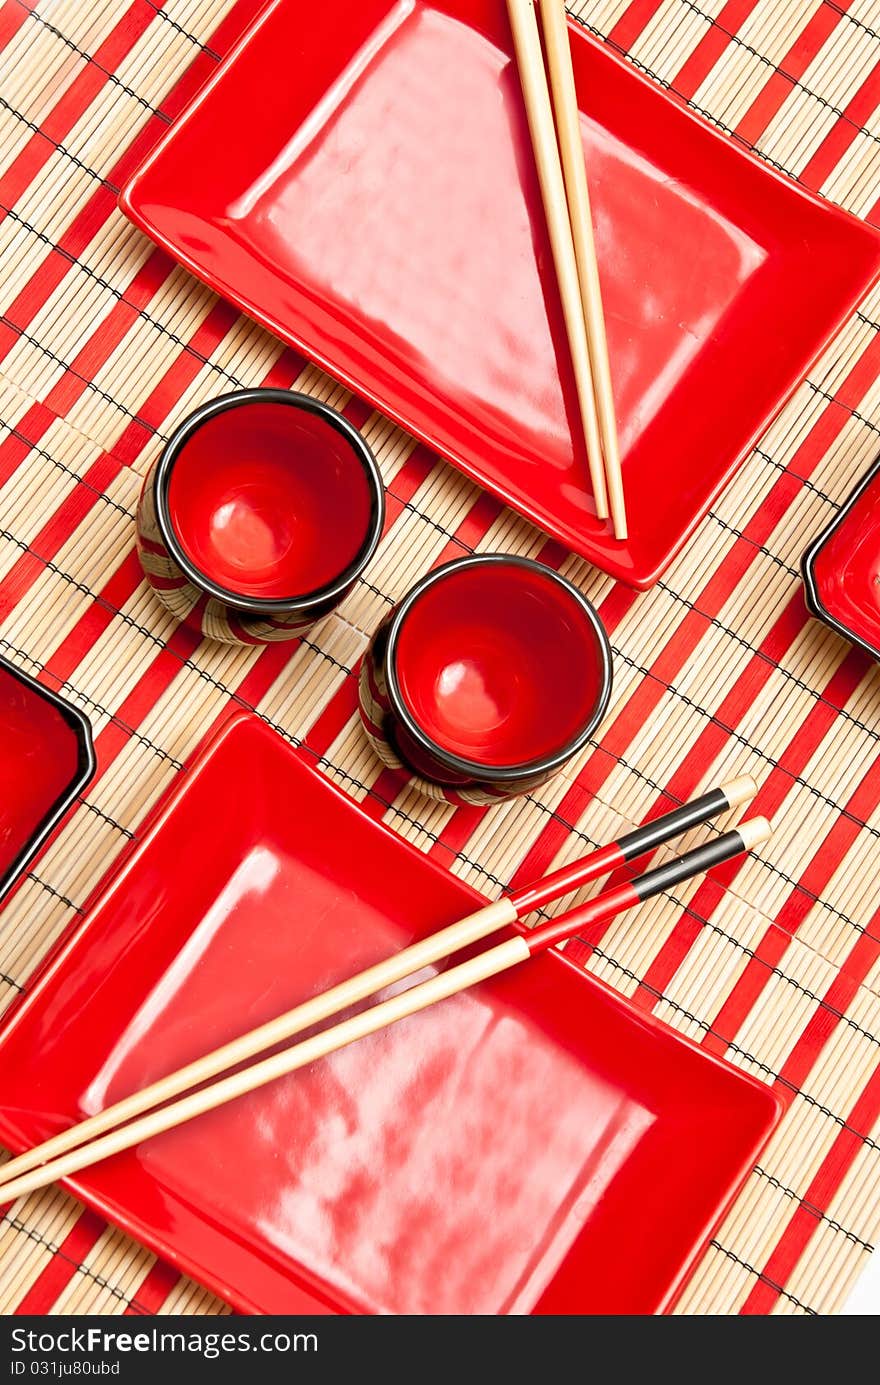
{"x":536,"y":95}
{"x":426,"y":952}
{"x":559,"y":65}
{"x":445,"y":983}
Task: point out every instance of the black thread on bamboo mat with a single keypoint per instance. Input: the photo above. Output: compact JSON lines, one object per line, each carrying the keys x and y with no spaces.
{"x":68,"y":471}
{"x":851,"y":18}
{"x":121,"y":725}
{"x":795,"y":82}
{"x":733,"y":734}
{"x":775,"y":970}
{"x":435,"y":524}
{"x":763,"y":1278}
{"x":795,"y":476}
{"x":55,"y":1250}
{"x":753,"y":543}
{"x":692,"y":105}
{"x":869,"y":322}
{"x":56,"y":894}
{"x":92,"y":61}
{"x":105,"y":817}
{"x":184,"y":33}
{"x":811,"y":1209}
{"x":832,"y":399}
{"x":552,"y":813}
{"x":71,"y":370}
{"x":58,"y":146}
{"x":120,"y":297}
{"x":376,"y":592}
{"x":766,"y":658}
{"x":112,"y":717}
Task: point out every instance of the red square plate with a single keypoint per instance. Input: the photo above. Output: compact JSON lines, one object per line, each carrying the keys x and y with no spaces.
{"x":364,"y":187}
{"x":535,"y":1145}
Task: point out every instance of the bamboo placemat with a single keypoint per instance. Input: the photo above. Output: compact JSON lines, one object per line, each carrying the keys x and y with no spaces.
{"x":105,"y":344}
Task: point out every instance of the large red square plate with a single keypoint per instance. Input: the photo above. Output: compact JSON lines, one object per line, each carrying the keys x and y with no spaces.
{"x":536,"y":1145}
{"x":361,"y":181}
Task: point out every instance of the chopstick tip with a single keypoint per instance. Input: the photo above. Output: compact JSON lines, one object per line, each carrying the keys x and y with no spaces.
{"x":739,"y":791}
{"x":754,"y":832}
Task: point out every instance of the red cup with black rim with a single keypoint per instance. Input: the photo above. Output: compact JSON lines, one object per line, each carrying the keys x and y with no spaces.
{"x":486,"y":679}
{"x":259,"y":515}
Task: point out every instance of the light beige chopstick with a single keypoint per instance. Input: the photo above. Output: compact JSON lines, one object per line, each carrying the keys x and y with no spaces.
{"x":387,"y":1012}
{"x":434,"y":948}
{"x":558,"y":49}
{"x":536,"y":95}
{"x":249,"y":1079}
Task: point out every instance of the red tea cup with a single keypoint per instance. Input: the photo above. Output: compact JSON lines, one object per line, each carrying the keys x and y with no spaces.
{"x":259,"y":515}
{"x":486,"y":678}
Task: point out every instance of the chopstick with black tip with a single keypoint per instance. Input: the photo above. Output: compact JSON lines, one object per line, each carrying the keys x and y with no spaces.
{"x":426,"y":952}
{"x":519,"y":948}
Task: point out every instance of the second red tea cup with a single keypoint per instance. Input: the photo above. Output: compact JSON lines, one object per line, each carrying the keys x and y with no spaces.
{"x":488,"y":676}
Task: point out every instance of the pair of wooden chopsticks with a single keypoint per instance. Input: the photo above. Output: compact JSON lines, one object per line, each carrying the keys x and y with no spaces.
{"x":566,"y":199}
{"x":107,"y":1133}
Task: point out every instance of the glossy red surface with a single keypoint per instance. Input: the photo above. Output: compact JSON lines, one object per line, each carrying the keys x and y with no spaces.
{"x":381,"y":212}
{"x":533,"y":1145}
{"x":499,"y":664}
{"x":40,"y":757}
{"x":269,"y":501}
{"x":846,"y":568}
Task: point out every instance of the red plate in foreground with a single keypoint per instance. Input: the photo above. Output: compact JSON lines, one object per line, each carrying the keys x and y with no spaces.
{"x":365,"y":187}
{"x":536,"y":1145}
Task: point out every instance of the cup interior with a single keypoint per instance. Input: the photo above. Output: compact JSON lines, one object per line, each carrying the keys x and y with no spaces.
{"x":500,"y":664}
{"x":269,"y":500}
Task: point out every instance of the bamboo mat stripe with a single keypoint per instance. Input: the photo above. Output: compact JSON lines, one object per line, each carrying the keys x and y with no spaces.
{"x":105,"y":344}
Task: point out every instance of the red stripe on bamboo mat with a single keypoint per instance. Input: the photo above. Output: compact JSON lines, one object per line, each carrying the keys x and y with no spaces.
{"x":791,"y":68}
{"x":712,"y":45}
{"x":802,"y":1226}
{"x":65,"y":1263}
{"x":84,"y":88}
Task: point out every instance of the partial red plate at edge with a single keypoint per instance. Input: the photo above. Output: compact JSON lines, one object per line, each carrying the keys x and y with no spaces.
{"x":381,"y":213}
{"x":536,"y":1145}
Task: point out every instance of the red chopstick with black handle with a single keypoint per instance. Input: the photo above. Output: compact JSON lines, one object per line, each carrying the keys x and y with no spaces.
{"x":634,"y":844}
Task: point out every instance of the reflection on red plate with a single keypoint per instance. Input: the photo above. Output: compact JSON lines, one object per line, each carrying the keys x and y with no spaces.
{"x":46,"y":759}
{"x":533,"y":1145}
{"x":381,"y":212}
{"x":842,"y":568}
